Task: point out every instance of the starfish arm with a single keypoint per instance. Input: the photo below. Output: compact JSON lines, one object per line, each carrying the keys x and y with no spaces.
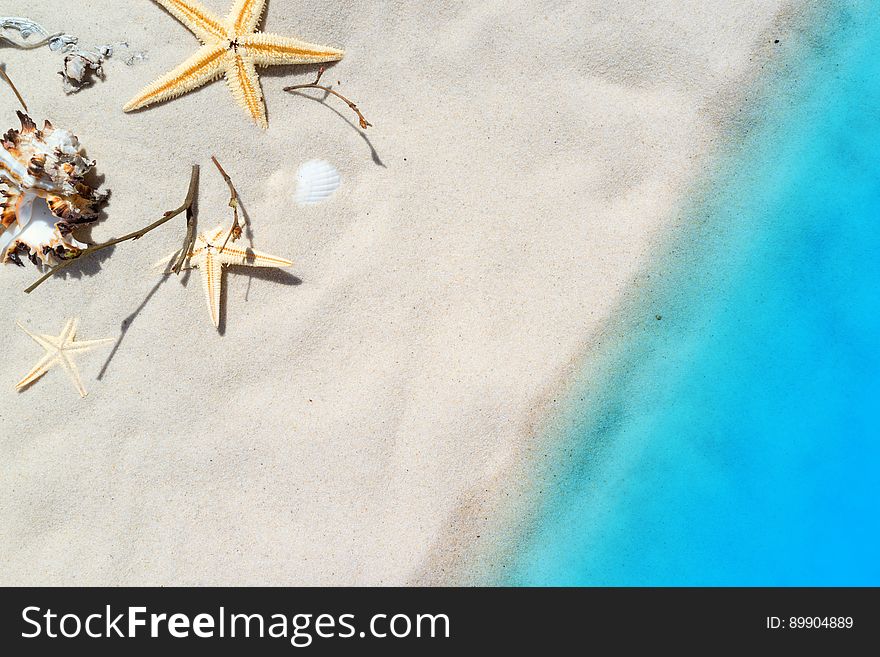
{"x":241,"y":76}
{"x":165,"y":263}
{"x":68,"y":333}
{"x":272,"y":49}
{"x":218,"y":236}
{"x":245,"y":16}
{"x":197,"y":19}
{"x":205,"y":66}
{"x":212,"y":272}
{"x":46,"y":362}
{"x":86,"y":345}
{"x":47,"y":342}
{"x":234,"y":255}
{"x":73,"y":372}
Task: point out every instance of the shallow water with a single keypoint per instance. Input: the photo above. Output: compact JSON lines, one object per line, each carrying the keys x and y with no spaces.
{"x":737,"y":440}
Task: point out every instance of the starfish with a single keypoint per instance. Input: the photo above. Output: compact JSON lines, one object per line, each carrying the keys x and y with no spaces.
{"x":210,"y":253}
{"x":59,"y":350}
{"x":230,"y":47}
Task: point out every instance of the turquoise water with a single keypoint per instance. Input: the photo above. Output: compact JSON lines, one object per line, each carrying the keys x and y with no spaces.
{"x":736,"y":440}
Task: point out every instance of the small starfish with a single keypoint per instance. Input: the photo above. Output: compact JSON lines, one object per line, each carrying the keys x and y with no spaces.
{"x":58,"y":352}
{"x":210,"y":253}
{"x":232,"y":47}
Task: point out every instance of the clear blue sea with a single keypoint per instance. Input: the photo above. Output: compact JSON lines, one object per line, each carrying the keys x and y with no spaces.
{"x":736,"y":440}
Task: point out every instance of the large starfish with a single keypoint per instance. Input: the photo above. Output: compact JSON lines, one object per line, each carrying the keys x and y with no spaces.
{"x":58,"y":352}
{"x":230,"y":47}
{"x":210,"y":253}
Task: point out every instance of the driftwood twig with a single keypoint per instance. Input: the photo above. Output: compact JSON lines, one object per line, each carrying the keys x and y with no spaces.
{"x":168,"y":216}
{"x":234,"y":232}
{"x":8,"y":80}
{"x":315,"y":85}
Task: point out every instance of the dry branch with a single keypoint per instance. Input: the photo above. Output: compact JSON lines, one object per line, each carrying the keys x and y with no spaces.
{"x":235,"y":231}
{"x":9,"y":81}
{"x":314,"y":85}
{"x":168,"y":216}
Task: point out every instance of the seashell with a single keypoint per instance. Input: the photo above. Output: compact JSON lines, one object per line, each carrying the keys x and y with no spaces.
{"x":79,"y":65}
{"x":317,"y":180}
{"x":25,"y":33}
{"x":43,"y":194}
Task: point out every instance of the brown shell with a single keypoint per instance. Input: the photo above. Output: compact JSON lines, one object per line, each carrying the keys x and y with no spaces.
{"x":55,"y":173}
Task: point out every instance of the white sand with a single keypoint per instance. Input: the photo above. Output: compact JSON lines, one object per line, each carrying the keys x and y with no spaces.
{"x":352,"y":429}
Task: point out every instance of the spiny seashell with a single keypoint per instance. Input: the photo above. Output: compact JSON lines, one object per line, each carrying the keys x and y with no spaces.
{"x":44,"y":194}
{"x":317,"y":180}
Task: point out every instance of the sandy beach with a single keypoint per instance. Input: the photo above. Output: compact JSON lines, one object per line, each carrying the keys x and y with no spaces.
{"x":366,"y":416}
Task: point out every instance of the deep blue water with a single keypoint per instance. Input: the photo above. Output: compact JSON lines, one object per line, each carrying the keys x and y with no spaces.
{"x":736,"y":440}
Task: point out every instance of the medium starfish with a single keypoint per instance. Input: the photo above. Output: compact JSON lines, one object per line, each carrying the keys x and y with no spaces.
{"x":210,"y":253}
{"x":58,"y":352}
{"x":230,"y":47}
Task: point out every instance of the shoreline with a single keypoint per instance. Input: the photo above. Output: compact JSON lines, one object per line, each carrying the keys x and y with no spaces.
{"x":707,"y":458}
{"x":551,"y":433}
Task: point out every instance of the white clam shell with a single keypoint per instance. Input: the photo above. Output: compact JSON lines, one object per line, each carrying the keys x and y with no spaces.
{"x":316,"y":181}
